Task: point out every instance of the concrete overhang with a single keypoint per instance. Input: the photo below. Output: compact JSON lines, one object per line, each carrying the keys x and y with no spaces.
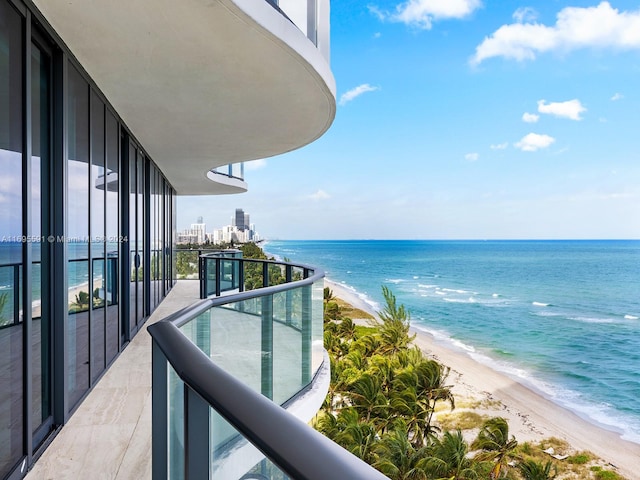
{"x":201,"y":83}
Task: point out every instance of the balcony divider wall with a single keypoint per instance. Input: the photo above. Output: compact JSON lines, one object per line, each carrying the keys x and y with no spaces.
{"x":68,"y":189}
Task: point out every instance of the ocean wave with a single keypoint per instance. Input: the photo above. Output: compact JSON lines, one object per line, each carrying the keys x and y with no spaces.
{"x":422,"y":285}
{"x":600,"y":414}
{"x":395,"y":281}
{"x":362,"y":296}
{"x":453,"y":290}
{"x":592,"y":319}
{"x":546,"y":313}
{"x":630,"y":317}
{"x":539,"y":304}
{"x":461,"y":300}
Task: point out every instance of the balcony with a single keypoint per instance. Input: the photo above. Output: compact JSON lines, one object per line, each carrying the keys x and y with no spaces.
{"x":235,"y":379}
{"x":206,"y":84}
{"x":229,"y":178}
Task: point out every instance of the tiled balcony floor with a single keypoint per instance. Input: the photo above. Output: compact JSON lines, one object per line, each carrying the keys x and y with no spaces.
{"x":109,"y":436}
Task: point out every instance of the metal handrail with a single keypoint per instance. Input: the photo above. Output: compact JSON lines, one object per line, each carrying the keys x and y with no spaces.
{"x":187,"y":314}
{"x":293,"y":446}
{"x":297,"y":449}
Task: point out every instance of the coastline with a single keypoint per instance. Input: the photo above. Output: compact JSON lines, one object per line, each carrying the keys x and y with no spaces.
{"x":531,"y":416}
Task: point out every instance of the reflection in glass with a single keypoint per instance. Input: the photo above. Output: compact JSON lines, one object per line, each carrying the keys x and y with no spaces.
{"x":78,"y":236}
{"x":11,"y":137}
{"x":113,"y":240}
{"x":41,"y":321}
{"x":97,"y":238}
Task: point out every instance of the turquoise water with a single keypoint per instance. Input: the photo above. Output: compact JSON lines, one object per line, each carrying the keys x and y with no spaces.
{"x":561,"y":317}
{"x":78,"y":272}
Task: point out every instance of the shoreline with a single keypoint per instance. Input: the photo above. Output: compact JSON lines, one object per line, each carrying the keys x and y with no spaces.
{"x":531,"y":416}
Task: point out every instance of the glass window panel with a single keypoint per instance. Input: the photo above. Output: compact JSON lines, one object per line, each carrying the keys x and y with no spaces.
{"x":97,"y":187}
{"x":113,"y":240}
{"x":78,"y":235}
{"x":133,"y":236}
{"x":140,"y":240}
{"x":152,"y":235}
{"x":11,"y":136}
{"x":41,"y":331}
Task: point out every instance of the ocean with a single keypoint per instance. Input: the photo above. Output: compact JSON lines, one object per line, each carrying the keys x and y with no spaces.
{"x":561,"y":317}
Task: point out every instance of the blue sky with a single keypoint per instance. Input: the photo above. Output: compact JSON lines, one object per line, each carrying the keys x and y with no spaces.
{"x":463,"y":119}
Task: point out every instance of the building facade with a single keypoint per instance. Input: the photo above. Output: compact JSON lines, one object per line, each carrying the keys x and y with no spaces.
{"x":108,"y":111}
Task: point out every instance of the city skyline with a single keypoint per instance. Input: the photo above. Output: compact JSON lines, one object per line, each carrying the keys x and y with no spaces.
{"x":489,"y":121}
{"x":240,"y":230}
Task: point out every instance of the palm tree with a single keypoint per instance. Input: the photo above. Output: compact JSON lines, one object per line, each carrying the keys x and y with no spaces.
{"x":415,"y":412}
{"x":383,"y":368}
{"x":367,"y":397}
{"x":336,"y":385}
{"x":391,"y":311}
{"x":532,"y":470}
{"x":357,"y":436}
{"x":393,"y":325}
{"x":397,"y":458}
{"x":419,"y":388}
{"x":449,"y":458}
{"x":394,"y":337}
{"x":495,"y":444}
{"x":327,"y":294}
{"x":347,"y":329}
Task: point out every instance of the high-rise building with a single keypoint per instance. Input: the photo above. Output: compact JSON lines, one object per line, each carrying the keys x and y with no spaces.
{"x":108,"y":111}
{"x":240,"y":219}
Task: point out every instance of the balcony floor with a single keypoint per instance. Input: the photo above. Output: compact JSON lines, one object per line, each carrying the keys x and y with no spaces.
{"x":109,"y":435}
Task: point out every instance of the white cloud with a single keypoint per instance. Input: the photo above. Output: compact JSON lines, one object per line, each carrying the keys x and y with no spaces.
{"x":570,"y":109}
{"x":499,"y":146}
{"x":422,"y":13}
{"x":319,"y":195}
{"x":534,"y":141}
{"x":255,"y":164}
{"x":356,"y":92}
{"x":525,"y":14}
{"x":617,"y":96}
{"x":377,"y":35}
{"x":530,"y":117}
{"x":575,"y":28}
{"x":472,"y":157}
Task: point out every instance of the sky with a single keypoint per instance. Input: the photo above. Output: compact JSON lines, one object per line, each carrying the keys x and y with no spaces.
{"x":463,"y":119}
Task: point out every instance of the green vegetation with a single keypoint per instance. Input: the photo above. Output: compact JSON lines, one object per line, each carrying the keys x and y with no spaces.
{"x":532,"y":470}
{"x":602,"y":474}
{"x":580,"y":458}
{"x":383,"y":397}
{"x":465,"y":420}
{"x":80,"y":303}
{"x":4,"y":300}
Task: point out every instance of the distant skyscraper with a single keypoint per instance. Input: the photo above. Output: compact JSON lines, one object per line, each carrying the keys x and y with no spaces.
{"x":240,"y":216}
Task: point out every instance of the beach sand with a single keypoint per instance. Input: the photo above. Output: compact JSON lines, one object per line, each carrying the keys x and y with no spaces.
{"x":531,"y":416}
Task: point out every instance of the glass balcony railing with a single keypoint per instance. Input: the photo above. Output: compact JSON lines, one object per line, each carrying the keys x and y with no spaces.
{"x":233,"y":170}
{"x":222,"y":369}
{"x":311,"y":17}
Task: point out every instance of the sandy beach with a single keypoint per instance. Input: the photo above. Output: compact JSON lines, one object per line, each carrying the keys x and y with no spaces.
{"x":531,"y":416}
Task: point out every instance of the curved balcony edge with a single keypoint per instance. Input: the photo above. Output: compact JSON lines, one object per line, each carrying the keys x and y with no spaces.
{"x":225,"y":184}
{"x":297,"y":449}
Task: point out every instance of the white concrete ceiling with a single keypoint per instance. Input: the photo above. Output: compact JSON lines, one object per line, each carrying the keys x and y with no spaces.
{"x":201,"y":83}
